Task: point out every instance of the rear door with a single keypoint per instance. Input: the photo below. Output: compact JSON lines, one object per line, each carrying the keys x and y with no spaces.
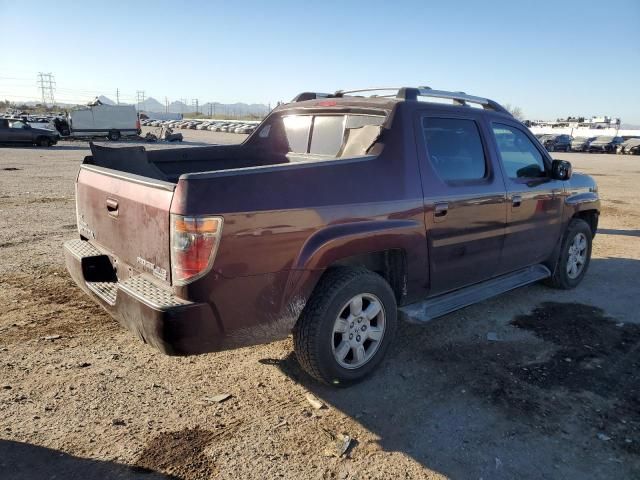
{"x":535,"y":200}
{"x":464,"y":197}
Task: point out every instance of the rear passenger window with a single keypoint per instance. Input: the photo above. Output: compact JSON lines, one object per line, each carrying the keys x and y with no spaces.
{"x":455,"y":148}
{"x":520,"y":157}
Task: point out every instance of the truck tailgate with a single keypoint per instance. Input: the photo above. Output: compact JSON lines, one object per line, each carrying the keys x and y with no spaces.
{"x":127,"y":216}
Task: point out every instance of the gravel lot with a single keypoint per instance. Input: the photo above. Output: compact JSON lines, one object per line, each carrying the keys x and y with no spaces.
{"x":557,"y":396}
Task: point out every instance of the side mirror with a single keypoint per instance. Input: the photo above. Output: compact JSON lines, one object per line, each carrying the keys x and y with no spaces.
{"x":561,"y":170}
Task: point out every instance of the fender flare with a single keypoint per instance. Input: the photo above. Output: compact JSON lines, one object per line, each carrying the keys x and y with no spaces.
{"x":335,"y":242}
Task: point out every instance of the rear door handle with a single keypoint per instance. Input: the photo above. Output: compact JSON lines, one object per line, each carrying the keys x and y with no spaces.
{"x":440,"y":211}
{"x":112,"y":207}
{"x":516,"y":201}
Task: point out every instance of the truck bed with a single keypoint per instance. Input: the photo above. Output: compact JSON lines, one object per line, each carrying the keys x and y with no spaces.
{"x":168,"y":165}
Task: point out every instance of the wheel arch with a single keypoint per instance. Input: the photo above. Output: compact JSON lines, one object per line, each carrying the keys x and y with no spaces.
{"x":395,"y":249}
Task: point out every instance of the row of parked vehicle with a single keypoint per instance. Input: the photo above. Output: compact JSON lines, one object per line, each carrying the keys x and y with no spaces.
{"x":211,"y":125}
{"x":601,"y":144}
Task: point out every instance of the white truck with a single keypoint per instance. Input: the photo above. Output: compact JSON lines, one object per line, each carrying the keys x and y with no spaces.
{"x":111,"y":121}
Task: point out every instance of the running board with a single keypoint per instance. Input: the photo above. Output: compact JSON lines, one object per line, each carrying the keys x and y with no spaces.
{"x":431,"y":308}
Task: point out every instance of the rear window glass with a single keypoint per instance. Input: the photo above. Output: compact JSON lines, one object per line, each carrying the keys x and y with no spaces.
{"x":454,"y":148}
{"x":297,"y":129}
{"x":328,"y":135}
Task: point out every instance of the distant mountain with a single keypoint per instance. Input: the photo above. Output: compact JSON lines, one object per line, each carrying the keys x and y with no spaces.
{"x":628,"y":126}
{"x":151,"y":105}
{"x":106,"y":100}
{"x":214,"y":108}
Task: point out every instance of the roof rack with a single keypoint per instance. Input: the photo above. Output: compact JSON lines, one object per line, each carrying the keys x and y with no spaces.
{"x":412,"y":93}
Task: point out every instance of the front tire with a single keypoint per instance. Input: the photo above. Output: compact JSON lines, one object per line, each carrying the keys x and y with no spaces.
{"x":346,"y":327}
{"x":575,"y":256}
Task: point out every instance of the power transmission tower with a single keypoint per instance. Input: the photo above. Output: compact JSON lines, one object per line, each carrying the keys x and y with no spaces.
{"x":140,"y":98}
{"x":183,"y":101}
{"x":117,"y":96}
{"x":194,"y":103}
{"x":47,"y":87}
{"x":166,"y":105}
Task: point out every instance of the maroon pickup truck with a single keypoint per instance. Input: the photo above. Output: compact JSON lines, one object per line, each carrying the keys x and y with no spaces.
{"x":340,"y":212}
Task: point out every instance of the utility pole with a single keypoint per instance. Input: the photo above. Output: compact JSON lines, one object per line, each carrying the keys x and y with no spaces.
{"x":47,"y":87}
{"x":140,"y":98}
{"x":166,"y":105}
{"x":117,"y":96}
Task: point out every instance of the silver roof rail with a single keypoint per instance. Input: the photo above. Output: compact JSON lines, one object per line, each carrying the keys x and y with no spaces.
{"x":459,"y":98}
{"x":412,"y":93}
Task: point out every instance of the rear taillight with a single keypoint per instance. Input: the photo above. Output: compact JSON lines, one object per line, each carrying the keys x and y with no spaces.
{"x":194,"y":241}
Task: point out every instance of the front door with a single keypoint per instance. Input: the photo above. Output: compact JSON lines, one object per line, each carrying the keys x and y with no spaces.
{"x":465,"y":199}
{"x":535,"y":201}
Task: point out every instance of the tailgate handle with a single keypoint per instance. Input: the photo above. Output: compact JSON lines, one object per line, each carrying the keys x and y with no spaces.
{"x":112,"y":207}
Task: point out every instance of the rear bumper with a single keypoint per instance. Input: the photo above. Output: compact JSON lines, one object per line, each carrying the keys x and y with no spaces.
{"x":172,"y":325}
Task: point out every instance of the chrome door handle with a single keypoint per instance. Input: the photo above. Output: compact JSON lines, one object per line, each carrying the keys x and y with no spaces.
{"x":440,"y":211}
{"x":516,"y":201}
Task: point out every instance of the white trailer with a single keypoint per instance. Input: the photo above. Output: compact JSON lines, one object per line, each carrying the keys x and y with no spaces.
{"x":111,"y":121}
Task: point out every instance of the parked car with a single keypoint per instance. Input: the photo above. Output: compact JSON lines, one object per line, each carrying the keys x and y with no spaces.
{"x":20,"y":132}
{"x":226,"y":246}
{"x":605,"y":144}
{"x":557,"y":143}
{"x":629,"y":147}
{"x":581,"y":144}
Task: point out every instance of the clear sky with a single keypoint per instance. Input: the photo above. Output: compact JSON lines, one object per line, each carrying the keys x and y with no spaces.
{"x":551,"y":58}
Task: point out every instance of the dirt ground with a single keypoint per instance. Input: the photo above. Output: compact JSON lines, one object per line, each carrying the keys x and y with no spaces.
{"x":557,"y":395}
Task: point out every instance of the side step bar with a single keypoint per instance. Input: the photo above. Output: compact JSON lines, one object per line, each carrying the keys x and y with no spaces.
{"x":431,"y":308}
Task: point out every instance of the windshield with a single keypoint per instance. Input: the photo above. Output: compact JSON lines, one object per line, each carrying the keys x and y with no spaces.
{"x":604,"y":139}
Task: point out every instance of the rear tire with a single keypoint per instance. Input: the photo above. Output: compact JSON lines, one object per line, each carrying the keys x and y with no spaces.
{"x":44,"y":142}
{"x":114,"y":136}
{"x":346,"y":327}
{"x":575,"y":256}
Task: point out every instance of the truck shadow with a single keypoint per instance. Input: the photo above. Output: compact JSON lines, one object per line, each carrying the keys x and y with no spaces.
{"x":23,"y":461}
{"x":49,"y":149}
{"x":612,"y":231}
{"x":556,"y":396}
